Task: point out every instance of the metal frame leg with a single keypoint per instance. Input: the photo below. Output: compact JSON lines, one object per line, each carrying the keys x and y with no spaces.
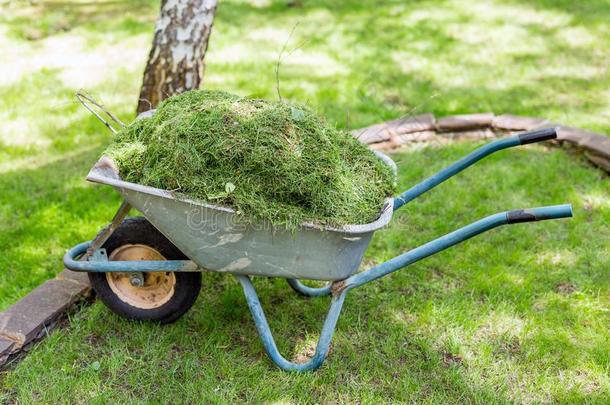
{"x":267,"y":337}
{"x":309,"y":291}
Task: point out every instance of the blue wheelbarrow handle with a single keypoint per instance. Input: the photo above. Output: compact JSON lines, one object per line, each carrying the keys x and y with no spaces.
{"x":339,"y":289}
{"x":455,"y":237}
{"x":472,"y":158}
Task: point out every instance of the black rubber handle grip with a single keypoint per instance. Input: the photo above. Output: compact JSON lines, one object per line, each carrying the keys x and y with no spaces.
{"x":518,"y":216}
{"x":538,"y":136}
{"x":539,"y":214}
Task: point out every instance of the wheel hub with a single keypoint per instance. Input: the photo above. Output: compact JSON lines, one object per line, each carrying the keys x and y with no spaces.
{"x":151,"y":290}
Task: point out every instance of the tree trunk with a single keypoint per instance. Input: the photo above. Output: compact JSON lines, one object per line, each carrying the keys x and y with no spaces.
{"x":175,"y":63}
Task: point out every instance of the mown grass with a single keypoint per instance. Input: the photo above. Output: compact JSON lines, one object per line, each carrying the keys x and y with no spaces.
{"x":519,"y":314}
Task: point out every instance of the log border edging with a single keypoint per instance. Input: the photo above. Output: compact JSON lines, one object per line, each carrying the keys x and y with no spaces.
{"x":32,"y":318}
{"x":392,"y":135}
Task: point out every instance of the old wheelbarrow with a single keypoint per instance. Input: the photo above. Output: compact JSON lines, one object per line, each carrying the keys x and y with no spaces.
{"x":149,"y":268}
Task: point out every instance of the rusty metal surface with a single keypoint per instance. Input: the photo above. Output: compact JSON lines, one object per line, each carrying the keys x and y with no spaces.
{"x":103,"y":236}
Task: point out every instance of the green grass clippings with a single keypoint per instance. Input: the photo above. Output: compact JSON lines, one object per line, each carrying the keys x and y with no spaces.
{"x":271,"y":161}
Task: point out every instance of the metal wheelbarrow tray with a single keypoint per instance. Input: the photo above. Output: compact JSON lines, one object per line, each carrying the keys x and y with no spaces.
{"x":214,"y":237}
{"x":215,"y":240}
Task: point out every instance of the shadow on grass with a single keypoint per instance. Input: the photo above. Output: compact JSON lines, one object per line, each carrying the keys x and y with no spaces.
{"x":43,"y":211}
{"x":394,"y":63}
{"x":374,"y":85}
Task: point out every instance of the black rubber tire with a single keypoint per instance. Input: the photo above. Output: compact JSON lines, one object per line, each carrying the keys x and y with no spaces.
{"x":138,"y":230}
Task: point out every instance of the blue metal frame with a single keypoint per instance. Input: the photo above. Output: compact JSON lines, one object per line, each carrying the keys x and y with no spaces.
{"x":266,"y":336}
{"x":308,"y":291}
{"x":100,"y":263}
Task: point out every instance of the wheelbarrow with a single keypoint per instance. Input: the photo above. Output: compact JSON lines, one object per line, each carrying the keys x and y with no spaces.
{"x":149,"y":268}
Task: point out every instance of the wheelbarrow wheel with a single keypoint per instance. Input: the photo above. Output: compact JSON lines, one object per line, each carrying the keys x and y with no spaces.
{"x":165,"y":296}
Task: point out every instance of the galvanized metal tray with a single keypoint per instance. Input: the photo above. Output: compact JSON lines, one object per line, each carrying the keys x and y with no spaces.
{"x":216,"y":239}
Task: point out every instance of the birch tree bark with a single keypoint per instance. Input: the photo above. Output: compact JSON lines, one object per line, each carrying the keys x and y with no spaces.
{"x":175,"y":63}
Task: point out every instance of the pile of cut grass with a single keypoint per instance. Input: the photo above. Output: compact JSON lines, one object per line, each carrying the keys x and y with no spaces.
{"x":270,"y":161}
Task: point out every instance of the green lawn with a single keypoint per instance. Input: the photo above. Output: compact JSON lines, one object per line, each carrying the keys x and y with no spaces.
{"x":519,"y":314}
